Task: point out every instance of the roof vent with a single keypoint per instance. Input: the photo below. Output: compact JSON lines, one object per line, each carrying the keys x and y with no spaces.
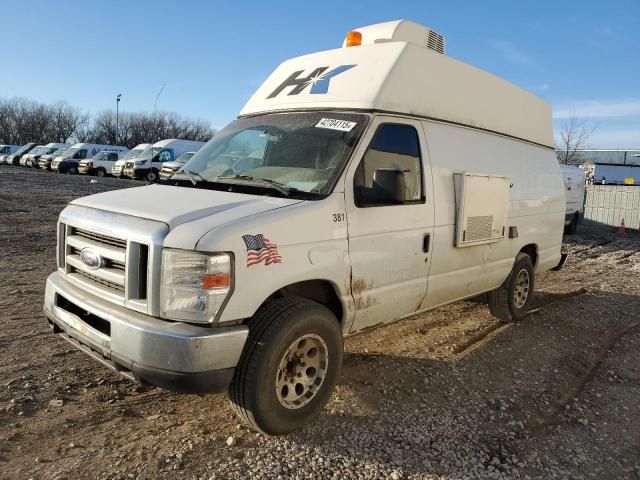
{"x":435,"y":41}
{"x":401,"y":31}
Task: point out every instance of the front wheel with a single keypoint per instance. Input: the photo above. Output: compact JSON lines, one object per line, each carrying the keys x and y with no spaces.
{"x":151,"y":176}
{"x":511,"y":300}
{"x":101,"y":172}
{"x":289,"y":367}
{"x":73,"y":170}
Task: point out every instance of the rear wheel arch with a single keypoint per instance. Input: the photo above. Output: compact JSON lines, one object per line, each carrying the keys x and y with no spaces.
{"x":532,"y":250}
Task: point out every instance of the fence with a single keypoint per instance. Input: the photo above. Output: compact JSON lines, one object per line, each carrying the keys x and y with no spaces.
{"x":610,"y":204}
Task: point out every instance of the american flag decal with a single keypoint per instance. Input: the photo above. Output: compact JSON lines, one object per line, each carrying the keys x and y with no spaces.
{"x":260,"y":249}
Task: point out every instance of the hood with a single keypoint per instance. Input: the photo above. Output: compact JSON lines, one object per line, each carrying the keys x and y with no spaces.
{"x":179,"y":205}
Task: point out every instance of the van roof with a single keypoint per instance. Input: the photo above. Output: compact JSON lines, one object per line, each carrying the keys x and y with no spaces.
{"x":169,"y":141}
{"x":399,"y":75}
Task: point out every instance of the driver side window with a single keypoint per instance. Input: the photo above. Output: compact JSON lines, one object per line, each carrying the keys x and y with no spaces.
{"x":81,"y":154}
{"x":390,"y":172}
{"x":164,"y":156}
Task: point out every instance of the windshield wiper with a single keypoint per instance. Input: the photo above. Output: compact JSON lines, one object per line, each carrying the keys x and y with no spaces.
{"x":195,"y":177}
{"x":265,"y":182}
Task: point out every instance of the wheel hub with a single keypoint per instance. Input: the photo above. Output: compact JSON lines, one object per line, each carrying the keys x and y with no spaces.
{"x":521,"y":290}
{"x":301,"y":371}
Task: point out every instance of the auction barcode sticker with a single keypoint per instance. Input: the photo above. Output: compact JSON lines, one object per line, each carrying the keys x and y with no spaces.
{"x":335,"y":124}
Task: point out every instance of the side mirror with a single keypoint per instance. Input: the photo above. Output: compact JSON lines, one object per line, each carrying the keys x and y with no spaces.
{"x":388,"y":188}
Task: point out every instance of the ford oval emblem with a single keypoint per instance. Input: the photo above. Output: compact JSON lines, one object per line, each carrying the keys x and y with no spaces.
{"x":91,"y":259}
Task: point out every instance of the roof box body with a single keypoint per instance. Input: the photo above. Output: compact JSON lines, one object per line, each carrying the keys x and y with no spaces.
{"x":405,"y":78}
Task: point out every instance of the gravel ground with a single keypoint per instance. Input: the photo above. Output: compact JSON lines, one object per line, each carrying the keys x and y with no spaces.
{"x":451,"y":394}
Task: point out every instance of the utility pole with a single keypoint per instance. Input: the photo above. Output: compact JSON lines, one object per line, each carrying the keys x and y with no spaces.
{"x":117,"y":115}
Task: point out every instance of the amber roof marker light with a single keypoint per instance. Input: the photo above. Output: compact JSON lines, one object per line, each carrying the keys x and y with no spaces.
{"x":354,"y":39}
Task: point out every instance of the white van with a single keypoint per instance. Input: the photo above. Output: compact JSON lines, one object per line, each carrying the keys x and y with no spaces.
{"x":101,"y":164}
{"x":135,"y":152}
{"x":32,"y":158}
{"x":70,"y":161}
{"x":147,"y":166}
{"x":574,"y":186}
{"x":358,"y":186}
{"x":6,"y":150}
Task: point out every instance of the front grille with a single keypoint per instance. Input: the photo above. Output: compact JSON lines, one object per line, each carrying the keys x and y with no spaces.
{"x":116,"y":242}
{"x":112,"y":276}
{"x":98,"y":281}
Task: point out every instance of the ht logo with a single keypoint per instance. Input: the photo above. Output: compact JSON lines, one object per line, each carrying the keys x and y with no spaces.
{"x":318,"y":80}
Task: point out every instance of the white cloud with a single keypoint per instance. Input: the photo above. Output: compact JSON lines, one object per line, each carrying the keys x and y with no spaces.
{"x":599,"y":109}
{"x":512,"y":54}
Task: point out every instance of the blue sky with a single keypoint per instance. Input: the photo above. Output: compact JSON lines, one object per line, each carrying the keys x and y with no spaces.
{"x":582,"y":56}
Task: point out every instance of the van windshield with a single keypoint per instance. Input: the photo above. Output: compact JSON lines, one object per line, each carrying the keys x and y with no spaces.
{"x":133,"y":154}
{"x":59,"y":152}
{"x":290,"y":152}
{"x":100,"y":155}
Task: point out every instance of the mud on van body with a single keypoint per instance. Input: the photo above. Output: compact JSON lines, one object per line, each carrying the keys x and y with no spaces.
{"x":358,"y":186}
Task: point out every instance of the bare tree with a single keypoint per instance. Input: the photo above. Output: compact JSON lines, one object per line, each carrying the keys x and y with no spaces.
{"x":574,"y":135}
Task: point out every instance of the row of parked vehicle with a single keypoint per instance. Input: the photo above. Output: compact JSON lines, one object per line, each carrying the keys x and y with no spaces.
{"x":146,"y":161}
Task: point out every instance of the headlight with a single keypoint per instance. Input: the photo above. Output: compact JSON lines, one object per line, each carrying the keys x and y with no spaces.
{"x":194,"y":285}
{"x":140,"y":162}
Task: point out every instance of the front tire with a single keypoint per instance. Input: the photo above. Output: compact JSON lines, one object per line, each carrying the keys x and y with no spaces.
{"x":510,"y":301}
{"x":151,"y":176}
{"x":101,"y":172}
{"x":289,"y":367}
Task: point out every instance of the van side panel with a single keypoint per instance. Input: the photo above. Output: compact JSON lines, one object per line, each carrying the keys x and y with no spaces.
{"x":536,"y":207}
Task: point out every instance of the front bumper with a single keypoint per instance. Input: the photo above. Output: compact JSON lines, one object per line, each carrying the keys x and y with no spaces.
{"x":65,"y":167}
{"x":172,"y":355}
{"x":86,"y":170}
{"x":136,"y":173}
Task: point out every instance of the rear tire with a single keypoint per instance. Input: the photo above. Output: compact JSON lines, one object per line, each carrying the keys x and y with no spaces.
{"x":572,"y":228}
{"x":289,"y":367}
{"x":101,"y":172}
{"x":511,"y":300}
{"x":73,"y":170}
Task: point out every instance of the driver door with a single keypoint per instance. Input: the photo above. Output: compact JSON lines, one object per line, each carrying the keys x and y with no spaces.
{"x":389,"y":241}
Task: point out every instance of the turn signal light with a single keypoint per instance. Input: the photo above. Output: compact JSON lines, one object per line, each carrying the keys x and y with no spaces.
{"x":217,"y":280}
{"x":354,"y":39}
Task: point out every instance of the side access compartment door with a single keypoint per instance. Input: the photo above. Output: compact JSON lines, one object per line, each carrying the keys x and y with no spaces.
{"x":390,"y":238}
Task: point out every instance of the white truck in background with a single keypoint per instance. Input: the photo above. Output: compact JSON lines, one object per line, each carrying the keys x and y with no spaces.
{"x":101,"y":164}
{"x":574,"y":190}
{"x":70,"y":160}
{"x":358,"y":186}
{"x":6,"y":150}
{"x":32,"y":158}
{"x":148,"y":165}
{"x":135,"y":152}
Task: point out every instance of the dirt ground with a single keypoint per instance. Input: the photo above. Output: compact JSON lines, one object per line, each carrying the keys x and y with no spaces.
{"x":449,"y":394}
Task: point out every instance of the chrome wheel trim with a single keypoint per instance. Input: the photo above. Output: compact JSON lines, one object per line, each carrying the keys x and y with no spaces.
{"x":521,"y":289}
{"x":301,"y":371}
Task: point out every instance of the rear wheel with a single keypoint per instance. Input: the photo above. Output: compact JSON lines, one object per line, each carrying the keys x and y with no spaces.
{"x":73,"y":170}
{"x":289,"y":367}
{"x":101,"y":172}
{"x":511,"y":300}
{"x":572,"y":228}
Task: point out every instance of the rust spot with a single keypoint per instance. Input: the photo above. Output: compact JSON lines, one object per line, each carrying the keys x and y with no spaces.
{"x":358,"y":286}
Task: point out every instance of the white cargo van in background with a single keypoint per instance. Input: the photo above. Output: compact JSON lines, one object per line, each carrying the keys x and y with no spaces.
{"x":147,"y":166}
{"x":574,"y":188}
{"x":101,"y":164}
{"x":358,"y":186}
{"x":69,"y":162}
{"x":6,"y":150}
{"x":32,"y":158}
{"x":135,"y":152}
